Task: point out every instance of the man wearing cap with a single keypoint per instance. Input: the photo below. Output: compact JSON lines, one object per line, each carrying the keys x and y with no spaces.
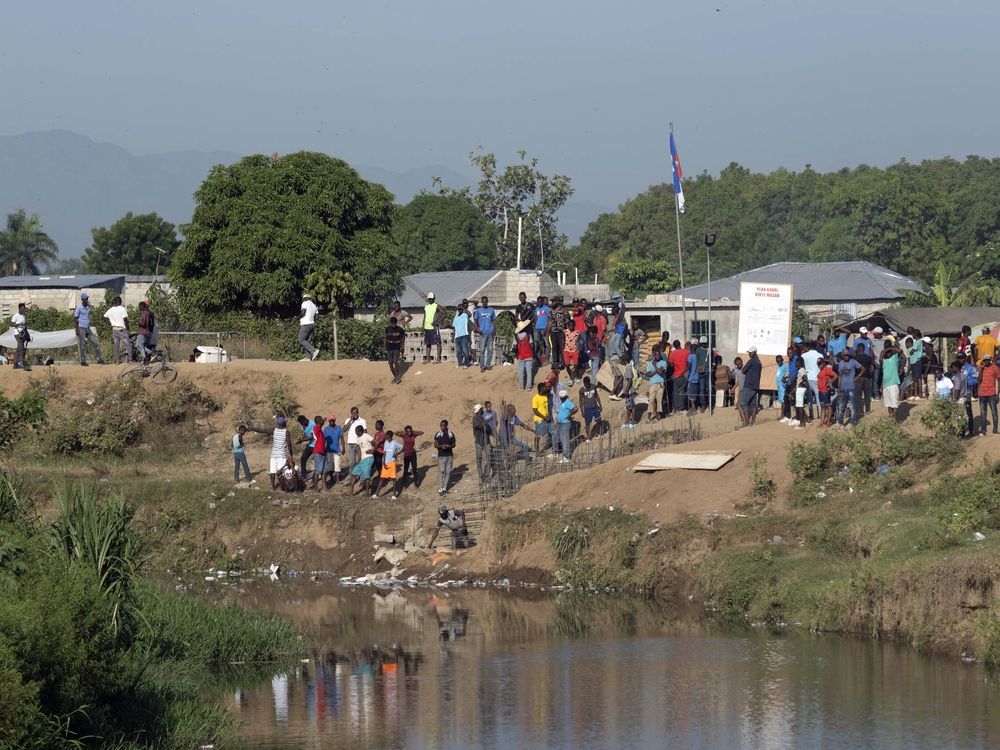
{"x":454,"y":519}
{"x":564,"y":423}
{"x":751,"y":385}
{"x":525,"y":356}
{"x":307,"y":327}
{"x":483,"y":319}
{"x":432,"y":334}
{"x":984,"y":345}
{"x":989,"y":374}
{"x":863,"y":340}
{"x":83,"y":332}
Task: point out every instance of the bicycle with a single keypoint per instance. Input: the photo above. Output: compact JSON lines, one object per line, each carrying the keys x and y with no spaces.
{"x":158,"y":370}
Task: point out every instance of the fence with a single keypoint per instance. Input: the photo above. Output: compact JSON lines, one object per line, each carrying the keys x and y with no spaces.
{"x":504,"y":471}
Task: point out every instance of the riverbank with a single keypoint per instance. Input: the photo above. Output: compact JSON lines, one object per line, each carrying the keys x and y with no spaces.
{"x":848,"y":533}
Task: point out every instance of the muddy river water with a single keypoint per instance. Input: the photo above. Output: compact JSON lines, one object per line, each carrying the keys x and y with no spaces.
{"x":459,"y":668}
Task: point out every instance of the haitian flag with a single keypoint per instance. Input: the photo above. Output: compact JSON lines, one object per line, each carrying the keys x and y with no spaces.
{"x":675,"y":166}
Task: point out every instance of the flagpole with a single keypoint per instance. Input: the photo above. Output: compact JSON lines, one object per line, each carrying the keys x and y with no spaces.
{"x":680,"y":257}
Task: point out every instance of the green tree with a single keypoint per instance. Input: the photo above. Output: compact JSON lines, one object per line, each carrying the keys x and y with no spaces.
{"x":132,"y":245}
{"x":68,"y":266}
{"x":443,"y":233}
{"x":261,"y":226}
{"x":636,"y":278}
{"x":24,"y":247}
{"x":522,"y":191}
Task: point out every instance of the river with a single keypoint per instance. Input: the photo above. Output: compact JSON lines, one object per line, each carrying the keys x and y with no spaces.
{"x":461,"y":668}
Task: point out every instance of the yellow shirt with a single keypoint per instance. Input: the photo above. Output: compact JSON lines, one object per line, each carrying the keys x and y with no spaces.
{"x":985,"y":344}
{"x":430,"y":311}
{"x":540,"y":404}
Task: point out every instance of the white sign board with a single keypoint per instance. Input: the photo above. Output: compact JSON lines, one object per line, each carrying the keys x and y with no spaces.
{"x":765,"y":317}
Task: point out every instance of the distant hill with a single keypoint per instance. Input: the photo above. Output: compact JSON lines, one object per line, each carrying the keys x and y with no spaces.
{"x":75,"y":183}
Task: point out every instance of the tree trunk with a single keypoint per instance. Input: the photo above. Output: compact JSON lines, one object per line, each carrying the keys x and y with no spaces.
{"x":336,"y":343}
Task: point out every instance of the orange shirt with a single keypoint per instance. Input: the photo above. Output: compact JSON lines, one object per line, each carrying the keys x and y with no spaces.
{"x":825,"y":377}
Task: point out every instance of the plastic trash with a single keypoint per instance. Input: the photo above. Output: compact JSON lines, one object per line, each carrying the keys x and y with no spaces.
{"x":882,"y":470}
{"x":978,"y":537}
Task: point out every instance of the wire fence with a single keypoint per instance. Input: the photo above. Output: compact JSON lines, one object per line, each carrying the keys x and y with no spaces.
{"x":512,"y":461}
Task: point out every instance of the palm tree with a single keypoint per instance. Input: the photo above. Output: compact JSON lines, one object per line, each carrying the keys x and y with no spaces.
{"x":24,"y":247}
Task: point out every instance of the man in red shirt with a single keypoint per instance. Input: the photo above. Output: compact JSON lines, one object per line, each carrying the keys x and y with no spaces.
{"x":319,"y":456}
{"x":678,"y":358}
{"x":989,"y":373}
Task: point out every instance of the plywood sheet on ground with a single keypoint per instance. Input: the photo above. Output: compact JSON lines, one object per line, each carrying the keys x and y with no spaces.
{"x":703,"y":460}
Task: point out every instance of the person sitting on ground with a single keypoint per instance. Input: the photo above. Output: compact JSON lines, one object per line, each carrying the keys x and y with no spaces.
{"x":288,"y":478}
{"x":454,"y":519}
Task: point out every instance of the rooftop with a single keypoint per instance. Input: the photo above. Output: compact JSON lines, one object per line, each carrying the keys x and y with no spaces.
{"x":449,"y":287}
{"x":56,"y":281}
{"x":854,"y":280}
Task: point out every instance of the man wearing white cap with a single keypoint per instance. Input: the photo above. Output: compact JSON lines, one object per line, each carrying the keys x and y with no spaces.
{"x":864,"y":340}
{"x":432,"y":334}
{"x":307,"y":327}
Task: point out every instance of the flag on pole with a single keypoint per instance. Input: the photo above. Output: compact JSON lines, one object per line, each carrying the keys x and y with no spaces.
{"x":675,"y":166}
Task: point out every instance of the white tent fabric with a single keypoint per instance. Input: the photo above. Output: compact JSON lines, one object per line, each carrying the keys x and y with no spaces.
{"x":42,"y":339}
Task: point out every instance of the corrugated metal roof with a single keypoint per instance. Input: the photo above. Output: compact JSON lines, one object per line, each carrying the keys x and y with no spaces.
{"x":930,"y":321}
{"x":449,"y":287}
{"x":79,"y":281}
{"x":854,"y":281}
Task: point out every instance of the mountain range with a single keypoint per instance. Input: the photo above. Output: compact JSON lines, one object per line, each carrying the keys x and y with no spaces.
{"x":75,"y":184}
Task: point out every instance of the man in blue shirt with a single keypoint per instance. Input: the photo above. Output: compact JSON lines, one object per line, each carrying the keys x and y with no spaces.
{"x":847,"y":370}
{"x":334,"y":435}
{"x":692,"y":376}
{"x":837,"y":343}
{"x":463,"y":339}
{"x":541,"y":330}
{"x":83,"y":332}
{"x":564,"y":423}
{"x":483,"y":319}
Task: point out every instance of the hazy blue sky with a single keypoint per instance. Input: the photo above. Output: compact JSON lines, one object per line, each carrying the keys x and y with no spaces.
{"x":588,"y":87}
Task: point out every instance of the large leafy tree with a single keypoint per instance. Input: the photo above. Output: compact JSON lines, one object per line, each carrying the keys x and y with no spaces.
{"x":443,"y":233}
{"x":263,"y":225}
{"x":132,"y":245}
{"x":518,"y":190}
{"x":25,"y":248}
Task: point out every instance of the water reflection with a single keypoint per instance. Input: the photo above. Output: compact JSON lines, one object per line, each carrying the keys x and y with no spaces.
{"x":459,"y":669}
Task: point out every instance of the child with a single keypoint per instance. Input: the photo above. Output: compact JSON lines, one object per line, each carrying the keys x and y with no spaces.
{"x":824,"y":384}
{"x":630,"y":384}
{"x":391,"y":449}
{"x":239,"y":456}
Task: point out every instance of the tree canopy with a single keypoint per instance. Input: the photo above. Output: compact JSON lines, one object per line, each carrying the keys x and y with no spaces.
{"x":908,"y":217}
{"x":519,"y":190}
{"x":263,"y":225}
{"x":131,"y":245}
{"x":25,"y":248}
{"x":443,"y":233}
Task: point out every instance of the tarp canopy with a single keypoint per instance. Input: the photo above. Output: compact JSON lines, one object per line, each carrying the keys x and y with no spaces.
{"x":930,"y":321}
{"x":42,"y":339}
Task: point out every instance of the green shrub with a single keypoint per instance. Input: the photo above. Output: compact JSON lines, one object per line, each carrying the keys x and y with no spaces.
{"x":944,"y":418}
{"x":20,"y":416}
{"x":809,"y":460}
{"x":282,"y":397}
{"x":971,"y":503}
{"x":761,"y":484}
{"x":804,"y":493}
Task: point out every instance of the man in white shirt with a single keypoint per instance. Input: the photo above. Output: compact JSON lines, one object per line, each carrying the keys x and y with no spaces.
{"x":811,"y":357}
{"x":117,"y":317}
{"x":19,"y":321}
{"x":353,"y":450}
{"x":307,"y":327}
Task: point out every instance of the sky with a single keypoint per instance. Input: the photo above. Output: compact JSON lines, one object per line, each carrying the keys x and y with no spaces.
{"x":587,"y":87}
